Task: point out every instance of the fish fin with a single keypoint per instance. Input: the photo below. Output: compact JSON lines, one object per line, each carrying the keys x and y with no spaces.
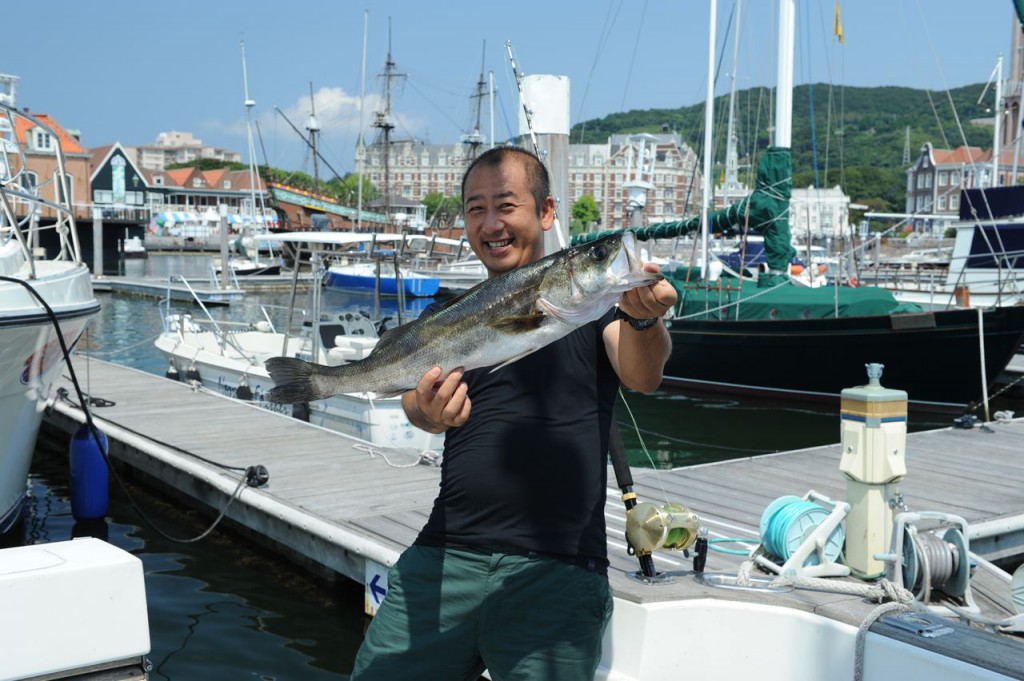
{"x":518,"y":323}
{"x":575,"y":315}
{"x":392,"y":393}
{"x":293,"y":380}
{"x":528,"y":351}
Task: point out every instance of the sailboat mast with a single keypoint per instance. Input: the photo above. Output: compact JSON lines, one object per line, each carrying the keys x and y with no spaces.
{"x":730,"y":153}
{"x":249,"y":104}
{"x":360,"y":147}
{"x":314,"y":130}
{"x":784,"y":80}
{"x":709,"y":110}
{"x":383,"y":122}
{"x":998,"y":111}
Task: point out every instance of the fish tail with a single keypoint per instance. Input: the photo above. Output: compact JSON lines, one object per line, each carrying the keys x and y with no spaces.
{"x":293,"y":380}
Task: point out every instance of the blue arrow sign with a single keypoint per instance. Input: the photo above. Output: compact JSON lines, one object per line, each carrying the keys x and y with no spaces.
{"x":376,"y":588}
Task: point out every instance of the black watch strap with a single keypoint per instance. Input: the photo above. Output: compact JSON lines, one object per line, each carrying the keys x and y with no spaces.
{"x":637,"y":324}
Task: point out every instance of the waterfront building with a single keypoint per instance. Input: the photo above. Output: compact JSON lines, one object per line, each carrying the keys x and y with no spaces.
{"x":823,"y":214}
{"x":39,"y":144}
{"x":178,"y":147}
{"x":416,"y":169}
{"x":935,"y":179}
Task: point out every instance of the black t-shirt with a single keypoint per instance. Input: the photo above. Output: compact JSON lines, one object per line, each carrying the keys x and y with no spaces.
{"x":528,"y":471}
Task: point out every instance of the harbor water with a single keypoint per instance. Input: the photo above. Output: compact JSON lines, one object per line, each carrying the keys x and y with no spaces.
{"x":221,"y":608}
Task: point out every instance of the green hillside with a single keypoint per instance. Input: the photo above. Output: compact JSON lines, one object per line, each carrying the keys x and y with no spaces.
{"x":859,"y":133}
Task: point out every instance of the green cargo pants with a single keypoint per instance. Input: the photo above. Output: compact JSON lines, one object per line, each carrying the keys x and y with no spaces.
{"x":452,"y":612}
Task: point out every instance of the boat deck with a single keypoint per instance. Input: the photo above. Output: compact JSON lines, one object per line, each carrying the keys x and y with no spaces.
{"x":335,"y":504}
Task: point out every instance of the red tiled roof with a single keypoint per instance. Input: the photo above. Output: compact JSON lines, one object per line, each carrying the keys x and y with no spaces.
{"x":958,"y":155}
{"x":68,"y":143}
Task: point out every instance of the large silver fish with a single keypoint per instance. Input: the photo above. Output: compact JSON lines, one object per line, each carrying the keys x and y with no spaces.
{"x":495,"y":323}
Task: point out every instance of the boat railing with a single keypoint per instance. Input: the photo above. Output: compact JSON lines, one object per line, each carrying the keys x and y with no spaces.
{"x":18,"y":190}
{"x":217,"y":278}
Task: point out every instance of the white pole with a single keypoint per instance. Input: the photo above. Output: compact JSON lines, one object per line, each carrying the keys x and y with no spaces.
{"x":709,"y":112}
{"x":998,"y":109}
{"x":730,"y":145}
{"x":360,"y":150}
{"x":249,"y":104}
{"x":490,"y":75}
{"x":784,"y":81}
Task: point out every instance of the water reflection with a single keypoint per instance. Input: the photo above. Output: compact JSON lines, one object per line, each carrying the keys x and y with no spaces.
{"x":218,"y":609}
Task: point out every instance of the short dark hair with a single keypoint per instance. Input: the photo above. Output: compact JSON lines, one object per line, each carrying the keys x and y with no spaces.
{"x":536,"y":174}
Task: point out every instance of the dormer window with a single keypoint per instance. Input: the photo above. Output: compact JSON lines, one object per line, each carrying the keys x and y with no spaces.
{"x":43,"y":140}
{"x":197,"y":182}
{"x":227,"y":184}
{"x":158,"y":180}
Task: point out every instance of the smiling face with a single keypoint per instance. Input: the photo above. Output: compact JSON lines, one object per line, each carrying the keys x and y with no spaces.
{"x":503,"y":223}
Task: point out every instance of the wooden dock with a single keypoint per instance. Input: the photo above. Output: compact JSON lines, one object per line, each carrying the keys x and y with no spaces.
{"x":210,"y":293}
{"x":336,"y":504}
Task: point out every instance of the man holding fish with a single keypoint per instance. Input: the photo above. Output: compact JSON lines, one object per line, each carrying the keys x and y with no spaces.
{"x":510,"y":571}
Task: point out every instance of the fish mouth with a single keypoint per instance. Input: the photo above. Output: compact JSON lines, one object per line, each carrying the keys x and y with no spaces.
{"x":635,"y":274}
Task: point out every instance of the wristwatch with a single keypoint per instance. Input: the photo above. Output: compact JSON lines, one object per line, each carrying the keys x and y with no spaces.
{"x":637,"y":324}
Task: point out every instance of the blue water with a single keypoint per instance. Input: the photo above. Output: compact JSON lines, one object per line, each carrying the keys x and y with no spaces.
{"x":225,"y":609}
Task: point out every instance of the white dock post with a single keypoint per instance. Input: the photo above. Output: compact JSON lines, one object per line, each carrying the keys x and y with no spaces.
{"x":224,"y":276}
{"x":97,"y":242}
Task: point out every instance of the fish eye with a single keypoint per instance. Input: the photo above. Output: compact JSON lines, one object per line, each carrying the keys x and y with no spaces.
{"x":599,"y":252}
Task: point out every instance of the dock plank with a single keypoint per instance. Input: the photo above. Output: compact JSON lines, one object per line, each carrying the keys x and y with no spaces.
{"x":330,"y":502}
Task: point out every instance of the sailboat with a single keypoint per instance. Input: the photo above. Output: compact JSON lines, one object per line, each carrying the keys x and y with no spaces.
{"x":774,"y":338}
{"x":850,"y":593}
{"x":247,"y":262}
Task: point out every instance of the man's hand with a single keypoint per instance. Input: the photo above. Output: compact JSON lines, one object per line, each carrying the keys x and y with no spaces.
{"x":436,"y":405}
{"x":649,"y":301}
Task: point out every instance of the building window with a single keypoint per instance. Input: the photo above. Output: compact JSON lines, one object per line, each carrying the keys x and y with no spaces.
{"x":103,"y":196}
{"x":943,"y":178}
{"x":227,"y":184}
{"x":942,"y":202}
{"x":954,"y":202}
{"x":43,"y":140}
{"x":954,"y":177}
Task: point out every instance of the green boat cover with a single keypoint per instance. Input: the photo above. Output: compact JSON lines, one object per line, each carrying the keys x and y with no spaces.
{"x":733,"y":299}
{"x":764,"y":211}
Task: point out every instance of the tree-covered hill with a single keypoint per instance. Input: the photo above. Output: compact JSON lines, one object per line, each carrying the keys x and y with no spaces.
{"x":859,"y":133}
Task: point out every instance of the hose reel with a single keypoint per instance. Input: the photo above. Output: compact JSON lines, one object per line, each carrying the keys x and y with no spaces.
{"x":804,"y":535}
{"x":930,"y":554}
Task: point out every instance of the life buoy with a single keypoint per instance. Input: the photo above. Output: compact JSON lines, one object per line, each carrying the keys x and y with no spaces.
{"x":852,"y":282}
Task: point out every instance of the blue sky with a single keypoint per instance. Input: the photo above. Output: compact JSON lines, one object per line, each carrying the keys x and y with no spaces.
{"x":126,"y":71}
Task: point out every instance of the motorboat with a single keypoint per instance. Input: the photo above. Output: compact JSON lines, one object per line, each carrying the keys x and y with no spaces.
{"x":229,"y":357}
{"x":45,"y":305}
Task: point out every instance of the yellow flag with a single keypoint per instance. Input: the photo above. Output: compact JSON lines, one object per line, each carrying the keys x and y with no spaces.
{"x":838,"y":25}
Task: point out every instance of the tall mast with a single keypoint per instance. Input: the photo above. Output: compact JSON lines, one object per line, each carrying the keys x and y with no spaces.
{"x":383,"y":122}
{"x":475,"y":139}
{"x":249,"y":104}
{"x":784,"y":81}
{"x":731,"y":161}
{"x":360,"y":147}
{"x":709,"y":110}
{"x":314,"y":130}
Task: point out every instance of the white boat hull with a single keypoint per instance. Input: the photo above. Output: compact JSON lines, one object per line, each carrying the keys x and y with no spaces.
{"x":30,"y":357}
{"x":378,"y":421}
{"x":715,"y":638}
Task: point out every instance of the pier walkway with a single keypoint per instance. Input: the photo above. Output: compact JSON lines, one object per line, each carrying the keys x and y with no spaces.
{"x":336,"y":504}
